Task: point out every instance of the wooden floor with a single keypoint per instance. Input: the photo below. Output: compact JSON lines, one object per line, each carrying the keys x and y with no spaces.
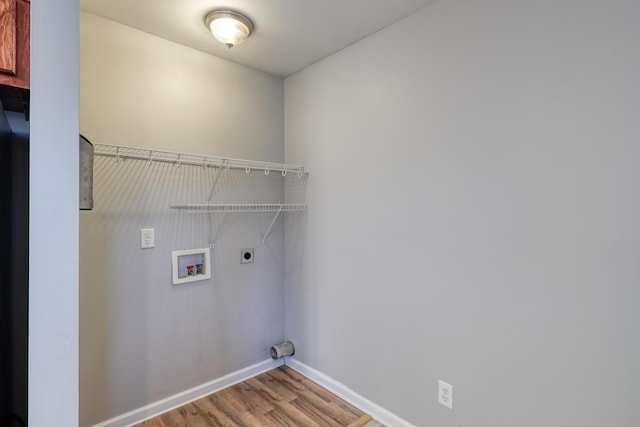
{"x":278,"y":398}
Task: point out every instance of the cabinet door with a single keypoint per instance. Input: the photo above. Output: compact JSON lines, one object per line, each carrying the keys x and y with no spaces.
{"x":14,"y":43}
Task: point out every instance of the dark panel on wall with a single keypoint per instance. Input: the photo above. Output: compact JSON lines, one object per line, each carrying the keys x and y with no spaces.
{"x":5,"y":238}
{"x":14,"y":267}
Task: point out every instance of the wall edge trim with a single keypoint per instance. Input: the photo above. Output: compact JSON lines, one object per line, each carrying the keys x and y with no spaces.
{"x":376,"y":411}
{"x":179,"y":399}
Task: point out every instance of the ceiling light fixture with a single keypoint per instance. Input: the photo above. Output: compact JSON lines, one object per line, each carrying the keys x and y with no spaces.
{"x":229,"y":27}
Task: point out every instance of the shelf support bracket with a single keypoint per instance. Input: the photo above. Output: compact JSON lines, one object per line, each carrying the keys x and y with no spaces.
{"x":215,"y":182}
{"x":264,"y":238}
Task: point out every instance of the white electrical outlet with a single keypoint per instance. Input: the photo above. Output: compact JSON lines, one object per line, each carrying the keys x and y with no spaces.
{"x":147,"y":238}
{"x":445,"y":394}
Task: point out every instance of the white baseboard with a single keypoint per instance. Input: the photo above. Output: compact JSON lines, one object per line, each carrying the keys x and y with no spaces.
{"x":187,"y":396}
{"x":376,"y":411}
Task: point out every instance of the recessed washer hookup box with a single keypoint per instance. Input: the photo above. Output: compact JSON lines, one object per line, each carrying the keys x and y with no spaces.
{"x":191,"y":265}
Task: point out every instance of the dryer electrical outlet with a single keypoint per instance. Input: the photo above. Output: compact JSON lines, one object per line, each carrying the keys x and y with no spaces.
{"x":246,"y":256}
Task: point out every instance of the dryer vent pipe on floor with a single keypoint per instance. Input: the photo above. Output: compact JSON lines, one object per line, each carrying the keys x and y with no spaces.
{"x":281,"y":350}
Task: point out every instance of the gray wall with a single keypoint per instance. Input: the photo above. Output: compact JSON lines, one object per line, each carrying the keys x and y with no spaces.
{"x":473,"y":214}
{"x":142,"y":338}
{"x":141,"y":90}
{"x":53,"y":215}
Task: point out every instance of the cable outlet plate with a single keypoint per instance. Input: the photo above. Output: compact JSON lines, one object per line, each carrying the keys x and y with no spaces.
{"x":445,"y":394}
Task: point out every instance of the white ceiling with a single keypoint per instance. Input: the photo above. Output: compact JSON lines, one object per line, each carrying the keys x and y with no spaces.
{"x":289,"y":34}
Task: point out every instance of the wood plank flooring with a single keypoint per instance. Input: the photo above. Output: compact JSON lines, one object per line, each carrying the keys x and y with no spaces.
{"x":277,"y":398}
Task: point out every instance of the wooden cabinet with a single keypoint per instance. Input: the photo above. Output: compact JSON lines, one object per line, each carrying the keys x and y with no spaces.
{"x":14,"y":43}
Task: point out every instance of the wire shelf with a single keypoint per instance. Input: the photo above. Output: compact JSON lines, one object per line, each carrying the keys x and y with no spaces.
{"x":120,"y":152}
{"x":239,"y":207}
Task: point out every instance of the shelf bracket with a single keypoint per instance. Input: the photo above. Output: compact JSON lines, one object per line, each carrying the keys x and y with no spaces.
{"x":215,"y":182}
{"x":264,"y":238}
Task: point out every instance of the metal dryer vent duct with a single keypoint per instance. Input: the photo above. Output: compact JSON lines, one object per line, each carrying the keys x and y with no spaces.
{"x":283,"y":349}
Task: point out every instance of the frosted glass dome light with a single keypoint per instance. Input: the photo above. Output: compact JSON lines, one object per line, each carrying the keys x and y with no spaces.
{"x":229,"y":27}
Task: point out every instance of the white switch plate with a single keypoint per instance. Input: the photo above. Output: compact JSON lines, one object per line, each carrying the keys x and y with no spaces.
{"x":147,"y":238}
{"x":445,"y":394}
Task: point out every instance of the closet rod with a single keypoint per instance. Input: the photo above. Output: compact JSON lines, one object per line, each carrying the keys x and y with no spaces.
{"x":120,"y":152}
